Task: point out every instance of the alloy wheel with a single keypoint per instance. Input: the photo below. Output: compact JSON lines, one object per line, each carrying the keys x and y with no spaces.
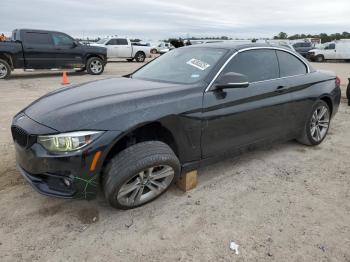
{"x":319,"y":123}
{"x":146,"y":185}
{"x":3,"y":70}
{"x":140,"y":57}
{"x":96,"y":66}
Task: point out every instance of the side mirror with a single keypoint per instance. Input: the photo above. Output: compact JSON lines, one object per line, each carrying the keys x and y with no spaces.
{"x":75,"y":44}
{"x":231,"y":80}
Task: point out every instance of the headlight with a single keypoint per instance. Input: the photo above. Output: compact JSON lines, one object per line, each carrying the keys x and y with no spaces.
{"x":68,"y":142}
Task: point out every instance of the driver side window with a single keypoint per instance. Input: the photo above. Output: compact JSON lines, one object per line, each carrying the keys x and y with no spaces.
{"x":257,"y":65}
{"x":61,"y":39}
{"x":330,"y":46}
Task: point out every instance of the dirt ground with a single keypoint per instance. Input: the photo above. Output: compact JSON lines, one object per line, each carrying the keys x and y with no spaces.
{"x":287,"y":202}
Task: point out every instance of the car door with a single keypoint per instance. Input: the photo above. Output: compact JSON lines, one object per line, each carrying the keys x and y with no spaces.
{"x":112,"y":48}
{"x":68,"y":53}
{"x":39,"y":51}
{"x":237,"y":117}
{"x":124,"y":48}
{"x":330,"y":51}
{"x":297,"y":78}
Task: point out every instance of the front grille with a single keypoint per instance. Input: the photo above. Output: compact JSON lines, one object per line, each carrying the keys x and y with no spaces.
{"x":21,"y":137}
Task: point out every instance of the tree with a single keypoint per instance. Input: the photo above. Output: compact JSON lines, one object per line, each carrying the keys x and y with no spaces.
{"x":281,"y":35}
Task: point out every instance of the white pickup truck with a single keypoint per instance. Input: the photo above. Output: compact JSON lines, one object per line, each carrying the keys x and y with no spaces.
{"x":119,"y":47}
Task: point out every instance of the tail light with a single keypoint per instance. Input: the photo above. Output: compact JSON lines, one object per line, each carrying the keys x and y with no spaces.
{"x":337,"y":81}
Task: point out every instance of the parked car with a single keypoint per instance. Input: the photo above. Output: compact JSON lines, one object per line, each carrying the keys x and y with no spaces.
{"x":39,"y":49}
{"x":303,"y":47}
{"x":122,"y":48}
{"x":162,"y":46}
{"x":339,"y":50}
{"x":135,"y":134}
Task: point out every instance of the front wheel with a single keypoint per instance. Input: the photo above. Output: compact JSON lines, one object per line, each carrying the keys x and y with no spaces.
{"x":95,"y":66}
{"x":319,"y":58}
{"x":5,"y":69}
{"x":140,"y":174}
{"x":317,"y":125}
{"x":140,"y":57}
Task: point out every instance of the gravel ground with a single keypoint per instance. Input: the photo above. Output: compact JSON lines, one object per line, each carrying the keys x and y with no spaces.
{"x":287,"y":202}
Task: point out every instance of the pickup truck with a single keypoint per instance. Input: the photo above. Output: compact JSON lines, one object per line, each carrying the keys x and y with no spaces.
{"x":122,"y":48}
{"x":38,"y":49}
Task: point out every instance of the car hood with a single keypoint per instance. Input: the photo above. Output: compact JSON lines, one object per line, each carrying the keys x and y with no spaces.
{"x":314,"y":50}
{"x":100,"y":45}
{"x":95,"y":48}
{"x":86,"y":105}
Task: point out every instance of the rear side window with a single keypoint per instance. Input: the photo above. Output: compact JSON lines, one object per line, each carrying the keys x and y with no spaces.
{"x":122,"y":41}
{"x":37,"y":38}
{"x":290,"y":65}
{"x":257,"y":65}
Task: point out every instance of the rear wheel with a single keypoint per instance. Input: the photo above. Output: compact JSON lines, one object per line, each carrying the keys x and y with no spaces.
{"x":5,"y":69}
{"x":317,"y":125}
{"x":140,"y":57}
{"x":94,"y":66}
{"x":140,"y":174}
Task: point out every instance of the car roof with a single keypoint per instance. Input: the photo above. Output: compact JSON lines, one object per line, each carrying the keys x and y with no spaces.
{"x":238,"y":46}
{"x":37,"y":30}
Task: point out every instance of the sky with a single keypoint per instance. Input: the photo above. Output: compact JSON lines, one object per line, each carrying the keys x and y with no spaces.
{"x":157,"y":19}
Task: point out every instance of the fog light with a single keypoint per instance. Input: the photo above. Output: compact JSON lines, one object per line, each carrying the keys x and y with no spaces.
{"x":67,"y":182}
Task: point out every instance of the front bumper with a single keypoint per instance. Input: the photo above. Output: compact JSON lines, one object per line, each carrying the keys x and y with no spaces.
{"x":66,"y":175}
{"x":48,"y":184}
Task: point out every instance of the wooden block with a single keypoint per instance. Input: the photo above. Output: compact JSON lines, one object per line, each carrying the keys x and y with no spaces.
{"x":187,"y":181}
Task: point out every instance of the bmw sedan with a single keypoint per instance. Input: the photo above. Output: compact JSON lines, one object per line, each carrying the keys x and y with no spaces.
{"x":132,"y":136}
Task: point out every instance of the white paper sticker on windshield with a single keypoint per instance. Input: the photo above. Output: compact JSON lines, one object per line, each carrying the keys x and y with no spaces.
{"x":198,"y":64}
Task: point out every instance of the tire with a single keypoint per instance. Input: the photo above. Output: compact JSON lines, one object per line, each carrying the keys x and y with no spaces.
{"x":153,"y":51}
{"x":130,"y":59}
{"x":95,"y":66}
{"x":140,"y":57}
{"x":128,"y":174}
{"x":319,"y":58}
{"x":315,"y":125}
{"x":5,"y":69}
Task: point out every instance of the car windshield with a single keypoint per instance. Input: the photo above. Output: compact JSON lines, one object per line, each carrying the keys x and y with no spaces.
{"x":102,"y":41}
{"x":183,"y":65}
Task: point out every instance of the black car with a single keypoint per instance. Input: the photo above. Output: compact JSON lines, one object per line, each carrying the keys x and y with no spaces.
{"x":133,"y":135}
{"x":39,"y":49}
{"x":303,"y":48}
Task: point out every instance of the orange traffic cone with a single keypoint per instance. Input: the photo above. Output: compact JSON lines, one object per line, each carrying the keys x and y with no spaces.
{"x":65,"y":80}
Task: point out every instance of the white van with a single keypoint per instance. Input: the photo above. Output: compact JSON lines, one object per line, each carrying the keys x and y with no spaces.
{"x":333,"y":50}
